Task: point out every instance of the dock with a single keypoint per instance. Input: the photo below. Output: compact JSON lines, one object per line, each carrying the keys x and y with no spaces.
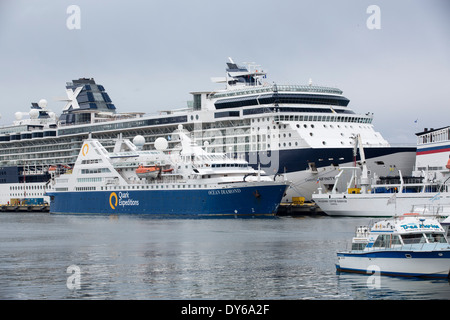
{"x":299,"y":209}
{"x":25,"y":208}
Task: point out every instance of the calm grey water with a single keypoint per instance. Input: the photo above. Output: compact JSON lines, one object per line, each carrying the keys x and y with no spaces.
{"x":149,"y":258}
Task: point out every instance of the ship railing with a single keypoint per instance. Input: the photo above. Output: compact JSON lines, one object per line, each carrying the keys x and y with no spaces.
{"x":276,"y":88}
{"x":31,"y":172}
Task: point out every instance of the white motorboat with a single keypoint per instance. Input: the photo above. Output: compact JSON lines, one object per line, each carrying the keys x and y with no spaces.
{"x":411,"y":245}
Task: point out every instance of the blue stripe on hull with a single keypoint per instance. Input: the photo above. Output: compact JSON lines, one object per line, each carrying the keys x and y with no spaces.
{"x":395,"y":274}
{"x":246,"y":201}
{"x":397,"y":254}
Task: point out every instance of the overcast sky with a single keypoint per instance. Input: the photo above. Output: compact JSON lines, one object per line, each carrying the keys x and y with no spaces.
{"x":150,"y":54}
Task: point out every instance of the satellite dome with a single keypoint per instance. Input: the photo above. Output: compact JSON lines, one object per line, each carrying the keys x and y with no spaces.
{"x":18,"y":115}
{"x":139,"y":141}
{"x":42,"y":103}
{"x":161,"y":144}
{"x":34,"y":113}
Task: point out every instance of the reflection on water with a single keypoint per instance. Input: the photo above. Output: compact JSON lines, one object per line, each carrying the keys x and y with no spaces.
{"x":149,"y":258}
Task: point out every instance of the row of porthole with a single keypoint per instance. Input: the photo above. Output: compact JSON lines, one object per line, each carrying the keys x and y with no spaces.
{"x":28,"y":194}
{"x":332,"y":126}
{"x":296,"y":144}
{"x":25,"y":187}
{"x":289,"y":135}
{"x":268,"y":127}
{"x":311,"y":134}
{"x":312,"y":126}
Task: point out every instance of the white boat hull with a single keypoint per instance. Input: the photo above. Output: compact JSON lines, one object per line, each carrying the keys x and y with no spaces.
{"x":435,"y":266}
{"x":305,"y":183}
{"x":376,"y":204}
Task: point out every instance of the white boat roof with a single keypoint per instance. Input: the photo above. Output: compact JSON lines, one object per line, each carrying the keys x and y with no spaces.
{"x":408,"y":224}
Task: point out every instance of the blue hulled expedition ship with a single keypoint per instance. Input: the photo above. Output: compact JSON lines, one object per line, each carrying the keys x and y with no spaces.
{"x":302,"y":131}
{"x":188,"y":181}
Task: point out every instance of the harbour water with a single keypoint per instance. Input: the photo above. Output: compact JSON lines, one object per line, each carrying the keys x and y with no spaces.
{"x":46,"y":256}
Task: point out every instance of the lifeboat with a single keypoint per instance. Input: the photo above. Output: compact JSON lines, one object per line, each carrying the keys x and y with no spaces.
{"x":448,"y":164}
{"x":148,"y":172}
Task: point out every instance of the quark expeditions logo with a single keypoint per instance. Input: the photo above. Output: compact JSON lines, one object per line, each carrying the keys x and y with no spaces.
{"x":85,"y":149}
{"x":122,"y":199}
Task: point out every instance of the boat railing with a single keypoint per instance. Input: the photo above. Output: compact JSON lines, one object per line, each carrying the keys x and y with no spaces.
{"x":362,"y":231}
{"x":404,"y":247}
{"x":417,"y":247}
{"x":435,"y":210}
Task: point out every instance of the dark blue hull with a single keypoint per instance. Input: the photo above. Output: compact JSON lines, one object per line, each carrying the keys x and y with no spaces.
{"x":298,"y":159}
{"x":240,"y":201}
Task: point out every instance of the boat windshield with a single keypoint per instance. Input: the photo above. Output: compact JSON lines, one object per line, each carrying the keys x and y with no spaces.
{"x":413,"y":238}
{"x":387,"y":241}
{"x":359,"y":245}
{"x":436,"y":238}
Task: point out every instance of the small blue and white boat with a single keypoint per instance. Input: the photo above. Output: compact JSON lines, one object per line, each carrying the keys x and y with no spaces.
{"x":411,"y":245}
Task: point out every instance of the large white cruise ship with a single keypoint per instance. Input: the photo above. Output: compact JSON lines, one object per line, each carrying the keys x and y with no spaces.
{"x":303,"y":131}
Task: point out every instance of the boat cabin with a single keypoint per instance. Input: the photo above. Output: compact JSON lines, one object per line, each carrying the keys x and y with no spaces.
{"x":398,"y":233}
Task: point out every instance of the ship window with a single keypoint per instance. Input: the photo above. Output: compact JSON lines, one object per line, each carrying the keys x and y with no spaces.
{"x":197,"y":102}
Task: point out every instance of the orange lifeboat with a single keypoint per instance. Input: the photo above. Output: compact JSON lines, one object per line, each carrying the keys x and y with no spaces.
{"x":448,"y":164}
{"x":148,"y":172}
